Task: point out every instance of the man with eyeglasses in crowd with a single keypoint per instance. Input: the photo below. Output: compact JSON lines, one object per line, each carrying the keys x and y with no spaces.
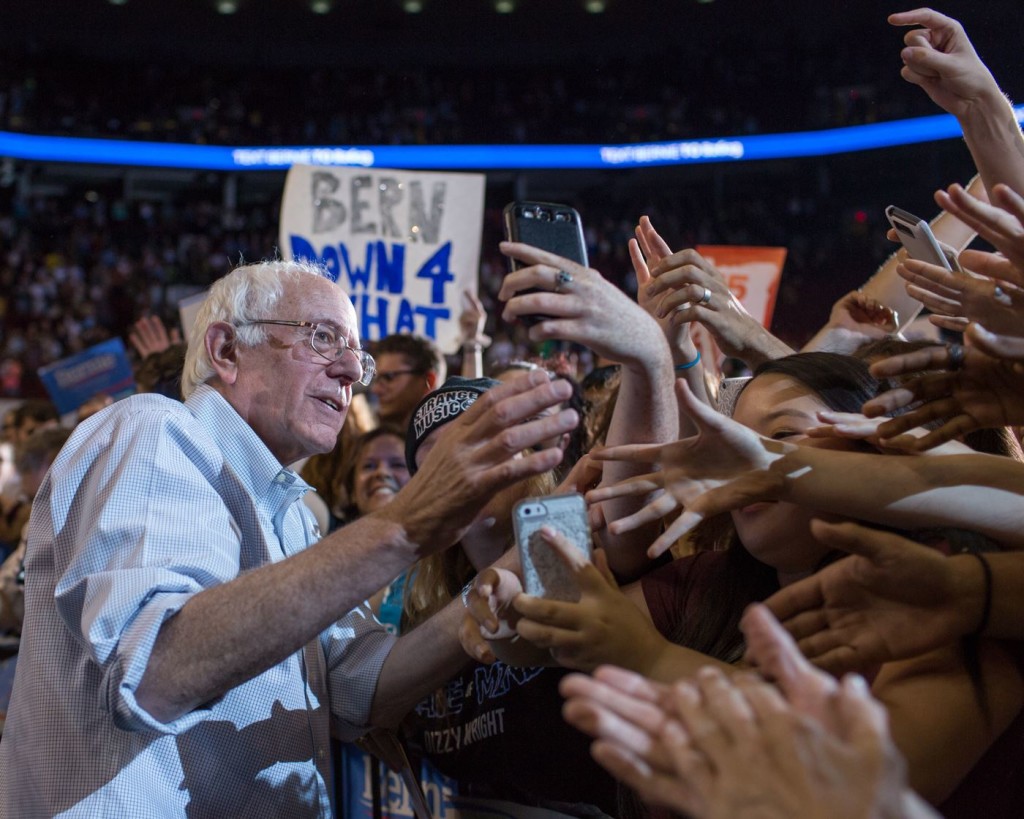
{"x":408,"y":367}
{"x":189,"y":641}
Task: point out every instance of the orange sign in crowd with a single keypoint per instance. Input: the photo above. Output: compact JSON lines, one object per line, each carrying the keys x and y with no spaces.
{"x":753,"y":275}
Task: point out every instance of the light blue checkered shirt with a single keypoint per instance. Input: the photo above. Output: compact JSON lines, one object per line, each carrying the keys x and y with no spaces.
{"x":149,"y":503}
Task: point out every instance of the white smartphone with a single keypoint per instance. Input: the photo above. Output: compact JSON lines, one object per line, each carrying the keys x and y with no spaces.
{"x":916,"y":236}
{"x":544,"y":572}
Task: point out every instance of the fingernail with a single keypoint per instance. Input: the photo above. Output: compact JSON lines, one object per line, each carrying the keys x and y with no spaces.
{"x":857,"y":683}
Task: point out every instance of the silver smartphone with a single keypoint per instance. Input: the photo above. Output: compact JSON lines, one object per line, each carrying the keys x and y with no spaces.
{"x":916,"y":236}
{"x":544,"y":572}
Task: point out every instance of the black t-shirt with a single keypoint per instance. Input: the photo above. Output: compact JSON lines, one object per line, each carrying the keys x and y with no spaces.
{"x":499,"y":731}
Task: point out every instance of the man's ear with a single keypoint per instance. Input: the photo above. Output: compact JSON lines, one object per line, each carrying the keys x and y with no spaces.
{"x":222,"y":349}
{"x":432,"y":379}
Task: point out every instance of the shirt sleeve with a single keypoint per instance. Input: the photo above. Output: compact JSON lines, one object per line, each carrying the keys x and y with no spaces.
{"x":140,"y":526}
{"x":356,"y":647}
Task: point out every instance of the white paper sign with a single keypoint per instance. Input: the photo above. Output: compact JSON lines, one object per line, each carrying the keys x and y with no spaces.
{"x":404,"y":245}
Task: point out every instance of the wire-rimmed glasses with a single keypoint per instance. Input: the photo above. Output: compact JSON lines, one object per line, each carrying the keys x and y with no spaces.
{"x":327,"y":342}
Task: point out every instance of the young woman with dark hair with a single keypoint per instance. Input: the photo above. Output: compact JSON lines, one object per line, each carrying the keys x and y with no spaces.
{"x":947,"y":708}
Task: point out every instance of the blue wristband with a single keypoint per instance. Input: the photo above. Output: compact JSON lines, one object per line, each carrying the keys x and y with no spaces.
{"x":688,"y":364}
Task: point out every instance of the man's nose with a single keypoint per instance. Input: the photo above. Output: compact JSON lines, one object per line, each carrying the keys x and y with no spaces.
{"x":346,"y":369}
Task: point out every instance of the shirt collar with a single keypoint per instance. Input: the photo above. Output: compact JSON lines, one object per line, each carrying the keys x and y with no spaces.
{"x":250,"y":459}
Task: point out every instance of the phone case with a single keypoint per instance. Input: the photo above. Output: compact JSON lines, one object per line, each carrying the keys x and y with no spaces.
{"x":547,"y":225}
{"x":916,"y":236}
{"x":544,"y":572}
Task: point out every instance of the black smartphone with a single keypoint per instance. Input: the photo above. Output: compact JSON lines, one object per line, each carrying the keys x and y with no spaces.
{"x":552,"y":227}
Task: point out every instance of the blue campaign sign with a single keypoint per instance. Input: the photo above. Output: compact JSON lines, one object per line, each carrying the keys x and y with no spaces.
{"x":103,"y":368}
{"x":355,"y":787}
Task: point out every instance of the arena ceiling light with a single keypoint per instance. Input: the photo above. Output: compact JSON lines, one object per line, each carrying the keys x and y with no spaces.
{"x":595,"y":6}
{"x":412,"y":6}
{"x":320,"y":6}
{"x":504,"y":6}
{"x":117,"y":2}
{"x":226,"y":6}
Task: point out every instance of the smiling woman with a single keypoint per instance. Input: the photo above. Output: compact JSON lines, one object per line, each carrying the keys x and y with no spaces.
{"x":377,"y":470}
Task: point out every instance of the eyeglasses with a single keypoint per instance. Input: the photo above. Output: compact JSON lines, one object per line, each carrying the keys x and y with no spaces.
{"x":387,"y":378}
{"x":326,"y":342}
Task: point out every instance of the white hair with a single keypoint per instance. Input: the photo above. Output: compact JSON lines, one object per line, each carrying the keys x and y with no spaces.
{"x":247,"y":293}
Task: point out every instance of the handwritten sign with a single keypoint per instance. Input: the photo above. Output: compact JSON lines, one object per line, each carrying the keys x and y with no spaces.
{"x":403,"y":245}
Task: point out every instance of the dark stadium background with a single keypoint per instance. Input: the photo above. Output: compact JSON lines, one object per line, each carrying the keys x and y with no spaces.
{"x":549,"y":72}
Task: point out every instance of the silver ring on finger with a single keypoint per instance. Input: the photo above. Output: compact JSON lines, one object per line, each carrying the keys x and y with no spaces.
{"x":562,"y":278}
{"x":706,"y":298}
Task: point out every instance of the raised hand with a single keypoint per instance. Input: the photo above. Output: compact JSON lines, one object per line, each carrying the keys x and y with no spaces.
{"x":648,"y":248}
{"x":604,"y":626}
{"x":724,"y":466}
{"x":625,"y":714}
{"x":472,"y":320}
{"x":982,"y":393}
{"x":999,"y":306}
{"x":940,"y":59}
{"x":856,"y":318}
{"x":999,"y":221}
{"x":489,"y":612}
{"x":480,"y":453}
{"x":856,"y":427}
{"x":745,"y":752}
{"x":775,"y":656}
{"x":149,"y":335}
{"x":890,"y":600}
{"x":586,"y":308}
{"x":689,"y":288}
{"x":864,"y":315}
{"x":735,"y":748}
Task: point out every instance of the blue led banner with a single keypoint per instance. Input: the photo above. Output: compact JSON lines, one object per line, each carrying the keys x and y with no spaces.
{"x":484,"y":157}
